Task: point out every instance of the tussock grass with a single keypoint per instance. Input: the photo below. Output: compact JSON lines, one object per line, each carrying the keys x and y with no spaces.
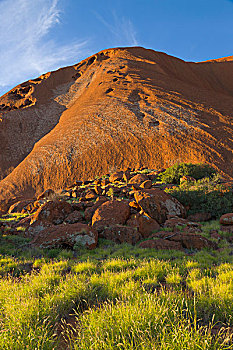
{"x":120,"y":296}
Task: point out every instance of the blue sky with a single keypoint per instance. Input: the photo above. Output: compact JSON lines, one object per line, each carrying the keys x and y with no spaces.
{"x":37,"y":36}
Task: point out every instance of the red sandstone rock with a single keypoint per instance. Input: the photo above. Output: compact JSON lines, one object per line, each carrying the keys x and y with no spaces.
{"x":226,"y":219}
{"x":134,"y":204}
{"x":146,"y":184}
{"x":104,"y":182}
{"x":186,"y":239}
{"x":161,"y":244}
{"x":147,"y":225}
{"x":199,"y":217}
{"x":193,"y":241}
{"x":143,"y":223}
{"x":98,"y":190}
{"x":133,"y":221}
{"x":172,"y":222}
{"x":90,"y":211}
{"x":66,"y":235}
{"x":34,"y":228}
{"x":127,"y":176}
{"x":158,"y":204}
{"x":83,"y":124}
{"x":74,"y":217}
{"x":48,"y":194}
{"x":117,"y":176}
{"x":25,"y":222}
{"x":19,"y":206}
{"x":111,"y":213}
{"x":89,"y":195}
{"x":53,"y":212}
{"x":138,"y":179}
{"x":121,"y":234}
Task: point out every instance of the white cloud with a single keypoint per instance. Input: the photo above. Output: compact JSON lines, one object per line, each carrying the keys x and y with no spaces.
{"x":25,"y":50}
{"x":121,"y":29}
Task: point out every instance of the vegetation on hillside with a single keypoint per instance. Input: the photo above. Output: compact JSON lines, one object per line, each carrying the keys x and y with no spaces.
{"x":177,"y":171}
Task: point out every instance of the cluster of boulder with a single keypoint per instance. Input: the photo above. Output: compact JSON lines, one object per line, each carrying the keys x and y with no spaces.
{"x":123,"y":207}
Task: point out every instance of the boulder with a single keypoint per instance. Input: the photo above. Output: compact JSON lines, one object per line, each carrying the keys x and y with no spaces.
{"x":38,"y":203}
{"x":117,"y":176}
{"x":74,"y":217}
{"x":34,"y":228}
{"x":88,"y":195}
{"x":161,"y":244}
{"x":143,"y":223}
{"x":173,"y":222}
{"x":146,"y":184}
{"x":77,"y":206}
{"x":19,"y":206}
{"x":133,"y":221}
{"x":187,"y":239}
{"x":66,"y":235}
{"x":134,"y":205}
{"x":138,"y":179}
{"x":126,"y":175}
{"x":97,"y":182}
{"x":226,"y":219}
{"x":25,"y":222}
{"x":194,"y":241}
{"x":104,"y":182}
{"x":147,"y":225}
{"x":90,"y":210}
{"x":53,"y":212}
{"x":48,"y":194}
{"x":30,"y":208}
{"x":98,"y":190}
{"x":158,"y":204}
{"x":197,"y":217}
{"x":121,"y":234}
{"x":111,"y":213}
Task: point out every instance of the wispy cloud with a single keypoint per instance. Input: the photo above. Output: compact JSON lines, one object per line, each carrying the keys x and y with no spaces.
{"x":26,"y":50}
{"x":121,"y":29}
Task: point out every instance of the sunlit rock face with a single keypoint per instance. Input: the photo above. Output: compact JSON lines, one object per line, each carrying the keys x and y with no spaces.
{"x":124,"y":107}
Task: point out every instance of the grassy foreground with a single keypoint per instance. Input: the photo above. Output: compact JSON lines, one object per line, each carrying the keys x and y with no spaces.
{"x":115,"y":297}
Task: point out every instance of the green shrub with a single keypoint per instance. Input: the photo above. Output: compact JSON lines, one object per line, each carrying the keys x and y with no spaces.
{"x":204,"y":198}
{"x":197,"y":171}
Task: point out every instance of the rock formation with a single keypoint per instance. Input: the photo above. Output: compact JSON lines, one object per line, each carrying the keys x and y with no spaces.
{"x":119,"y":108}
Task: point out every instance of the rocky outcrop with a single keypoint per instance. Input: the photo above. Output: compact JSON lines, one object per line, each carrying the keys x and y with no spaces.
{"x":226,"y":219}
{"x":111,"y":213}
{"x":144,"y":224}
{"x":67,"y":236}
{"x":19,"y":206}
{"x":75,"y":217}
{"x":53,"y":212}
{"x":158,"y":204}
{"x":138,"y":179}
{"x":120,"y":108}
{"x":121,"y":234}
{"x":183,"y":239}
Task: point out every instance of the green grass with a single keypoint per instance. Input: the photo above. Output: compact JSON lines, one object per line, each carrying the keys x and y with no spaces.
{"x":116,"y":297}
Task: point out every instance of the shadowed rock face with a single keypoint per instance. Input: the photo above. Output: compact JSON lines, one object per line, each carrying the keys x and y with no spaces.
{"x":121,"y":107}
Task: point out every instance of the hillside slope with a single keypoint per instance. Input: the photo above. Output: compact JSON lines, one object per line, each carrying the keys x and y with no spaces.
{"x":123,"y":107}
